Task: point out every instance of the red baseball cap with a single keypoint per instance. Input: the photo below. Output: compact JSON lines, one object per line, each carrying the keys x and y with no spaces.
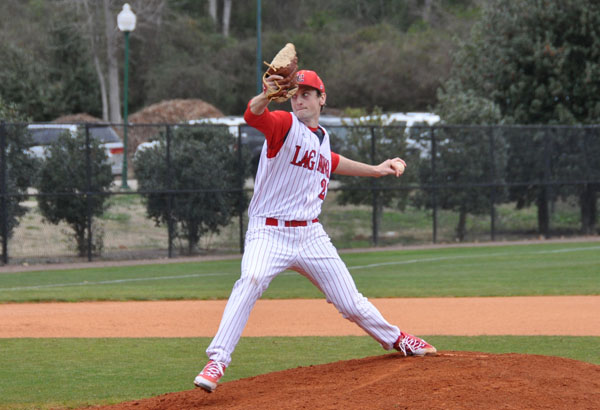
{"x":310,"y":79}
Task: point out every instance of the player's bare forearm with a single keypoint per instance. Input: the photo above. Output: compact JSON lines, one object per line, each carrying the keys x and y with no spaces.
{"x":258,"y":104}
{"x":350,"y":167}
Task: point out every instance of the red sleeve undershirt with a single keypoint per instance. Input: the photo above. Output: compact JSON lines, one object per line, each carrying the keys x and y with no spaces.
{"x":276,"y":125}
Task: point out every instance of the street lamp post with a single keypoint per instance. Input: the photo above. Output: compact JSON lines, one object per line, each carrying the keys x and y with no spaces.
{"x":126,"y":22}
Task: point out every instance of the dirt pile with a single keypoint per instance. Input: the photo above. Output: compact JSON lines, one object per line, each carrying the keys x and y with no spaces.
{"x":81,"y":118}
{"x":450,"y":380}
{"x":167,"y":112}
{"x":175,"y":111}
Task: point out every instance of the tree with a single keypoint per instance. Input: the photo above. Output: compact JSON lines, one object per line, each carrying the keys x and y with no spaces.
{"x":387,"y":56}
{"x":226,"y":20}
{"x":20,"y":82}
{"x":46,"y":84}
{"x":19,"y":169}
{"x":463,"y":156}
{"x":71,"y":74}
{"x":178,"y":51}
{"x":97,"y":23}
{"x":64,"y":181}
{"x":537,"y":60}
{"x":202,"y":162}
{"x":577,"y":160}
{"x":382,"y":67}
{"x":370,"y":142}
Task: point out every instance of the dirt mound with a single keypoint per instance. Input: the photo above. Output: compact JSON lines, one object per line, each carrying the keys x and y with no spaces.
{"x":167,"y":112}
{"x":164,"y":112}
{"x":455,"y":380}
{"x":175,"y":111}
{"x":81,"y":118}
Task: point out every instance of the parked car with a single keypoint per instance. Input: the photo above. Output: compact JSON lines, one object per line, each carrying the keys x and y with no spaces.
{"x":45,"y":134}
{"x":338,"y":126}
{"x":252,"y":138}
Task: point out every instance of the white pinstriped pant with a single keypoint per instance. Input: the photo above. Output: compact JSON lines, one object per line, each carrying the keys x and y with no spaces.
{"x":269,"y":250}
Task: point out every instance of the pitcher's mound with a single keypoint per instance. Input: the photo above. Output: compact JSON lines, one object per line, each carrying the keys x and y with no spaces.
{"x":450,"y":380}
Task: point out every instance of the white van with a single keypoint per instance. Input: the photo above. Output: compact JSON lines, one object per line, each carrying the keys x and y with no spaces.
{"x":337,"y":125}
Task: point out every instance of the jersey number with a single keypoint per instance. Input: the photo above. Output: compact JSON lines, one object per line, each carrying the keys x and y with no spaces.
{"x":324,"y":186}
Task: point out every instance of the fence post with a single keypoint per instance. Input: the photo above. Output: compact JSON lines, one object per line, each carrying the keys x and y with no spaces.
{"x":375,"y":193}
{"x":546,"y":184}
{"x":3,"y":193}
{"x":588,"y":196}
{"x":88,"y":199}
{"x":433,"y":183}
{"x":493,"y":187}
{"x":170,"y":194}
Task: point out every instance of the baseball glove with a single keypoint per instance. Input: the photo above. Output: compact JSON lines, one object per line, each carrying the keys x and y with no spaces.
{"x":284,"y":64}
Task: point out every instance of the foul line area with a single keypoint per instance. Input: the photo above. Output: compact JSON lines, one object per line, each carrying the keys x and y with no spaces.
{"x":357,"y":267}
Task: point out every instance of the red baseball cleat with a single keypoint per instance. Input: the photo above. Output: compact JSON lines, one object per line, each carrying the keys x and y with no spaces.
{"x":413,"y":346}
{"x":210,"y":375}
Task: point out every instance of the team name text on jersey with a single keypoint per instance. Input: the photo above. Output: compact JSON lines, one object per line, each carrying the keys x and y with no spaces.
{"x":308,"y":161}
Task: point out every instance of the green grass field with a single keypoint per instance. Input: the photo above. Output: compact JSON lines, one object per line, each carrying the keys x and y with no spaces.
{"x":537,"y":269}
{"x":50,"y":373}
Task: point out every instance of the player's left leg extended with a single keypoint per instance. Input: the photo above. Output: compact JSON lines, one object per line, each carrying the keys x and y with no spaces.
{"x":321,"y":264}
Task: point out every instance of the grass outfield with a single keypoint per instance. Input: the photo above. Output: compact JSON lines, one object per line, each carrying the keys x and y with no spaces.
{"x":518,"y":270}
{"x":46,"y":373}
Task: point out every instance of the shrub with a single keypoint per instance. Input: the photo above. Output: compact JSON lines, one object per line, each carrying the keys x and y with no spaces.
{"x":204,"y":165}
{"x":63,"y":182}
{"x":19,"y":168}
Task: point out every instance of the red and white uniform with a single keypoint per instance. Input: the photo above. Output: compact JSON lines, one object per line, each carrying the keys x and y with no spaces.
{"x":292,"y":185}
{"x":284,"y":233}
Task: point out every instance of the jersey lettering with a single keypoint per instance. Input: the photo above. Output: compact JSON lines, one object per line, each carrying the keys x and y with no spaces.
{"x":307,"y":161}
{"x":323,"y":167}
{"x":307,"y":158}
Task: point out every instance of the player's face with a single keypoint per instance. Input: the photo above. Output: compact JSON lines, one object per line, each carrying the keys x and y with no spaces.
{"x":306,"y":104}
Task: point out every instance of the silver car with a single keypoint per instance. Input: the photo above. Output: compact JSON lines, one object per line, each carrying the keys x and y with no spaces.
{"x":45,"y":134}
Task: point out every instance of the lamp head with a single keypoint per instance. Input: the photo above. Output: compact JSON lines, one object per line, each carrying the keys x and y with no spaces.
{"x":126,"y":19}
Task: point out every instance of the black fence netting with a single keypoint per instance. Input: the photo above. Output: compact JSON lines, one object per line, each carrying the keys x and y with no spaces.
{"x":73,"y":192}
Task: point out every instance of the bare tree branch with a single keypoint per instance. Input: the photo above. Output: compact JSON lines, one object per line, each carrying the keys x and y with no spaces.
{"x":97,"y":23}
{"x":212,"y":10}
{"x":226,"y":17}
{"x":90,"y":22}
{"x":114,"y":99}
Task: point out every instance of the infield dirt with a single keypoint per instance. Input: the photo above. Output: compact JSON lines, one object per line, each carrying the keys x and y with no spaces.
{"x":538,"y":315}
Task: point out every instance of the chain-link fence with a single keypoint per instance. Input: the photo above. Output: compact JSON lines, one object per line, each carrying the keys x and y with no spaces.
{"x":187,"y":188}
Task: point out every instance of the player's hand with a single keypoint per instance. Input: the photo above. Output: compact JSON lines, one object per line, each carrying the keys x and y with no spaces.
{"x":394,"y":166}
{"x":261,"y":101}
{"x":271,"y":82}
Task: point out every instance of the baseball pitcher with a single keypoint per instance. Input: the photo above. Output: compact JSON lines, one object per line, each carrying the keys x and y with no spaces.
{"x":284,"y":230}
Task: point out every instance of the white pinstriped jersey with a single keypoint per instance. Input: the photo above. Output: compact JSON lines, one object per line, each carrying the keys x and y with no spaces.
{"x":293,"y":184}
